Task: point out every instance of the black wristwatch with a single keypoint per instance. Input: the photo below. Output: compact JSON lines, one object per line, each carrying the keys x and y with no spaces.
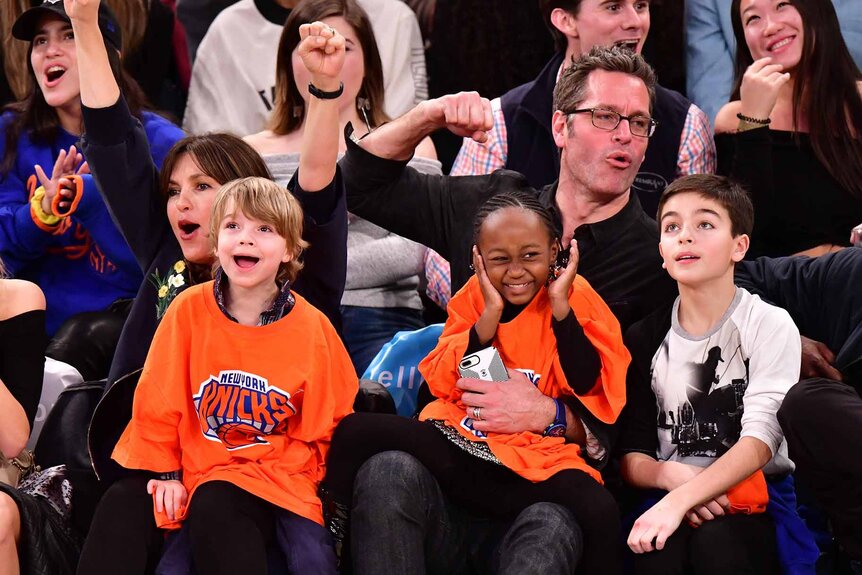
{"x":558,"y":426}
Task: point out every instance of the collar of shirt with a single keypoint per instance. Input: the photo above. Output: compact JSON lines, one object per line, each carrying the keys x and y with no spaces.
{"x":280,"y":307}
{"x":604,"y":232}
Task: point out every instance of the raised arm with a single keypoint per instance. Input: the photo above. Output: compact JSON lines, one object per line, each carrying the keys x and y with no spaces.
{"x":465,"y":114}
{"x":115,"y":143}
{"x":99,"y":89}
{"x":322,"y":53}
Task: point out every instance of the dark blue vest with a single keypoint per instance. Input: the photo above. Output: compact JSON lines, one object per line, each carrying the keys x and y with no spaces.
{"x":528,"y":108}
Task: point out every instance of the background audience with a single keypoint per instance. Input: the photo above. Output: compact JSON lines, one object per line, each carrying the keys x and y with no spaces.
{"x":787,"y":112}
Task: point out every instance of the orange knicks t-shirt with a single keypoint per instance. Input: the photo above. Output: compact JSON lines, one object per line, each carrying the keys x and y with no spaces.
{"x":527,"y":344}
{"x":254,"y":406}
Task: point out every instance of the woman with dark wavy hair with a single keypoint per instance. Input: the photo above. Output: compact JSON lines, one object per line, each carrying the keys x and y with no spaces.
{"x":383,"y":269}
{"x":793,"y":131}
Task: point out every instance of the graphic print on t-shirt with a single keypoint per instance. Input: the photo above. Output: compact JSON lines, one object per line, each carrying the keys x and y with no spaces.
{"x":700,"y":403}
{"x":238,"y":408}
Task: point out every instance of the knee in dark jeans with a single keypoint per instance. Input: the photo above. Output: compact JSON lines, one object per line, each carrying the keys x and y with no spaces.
{"x":391,"y":479}
{"x":549,"y":526}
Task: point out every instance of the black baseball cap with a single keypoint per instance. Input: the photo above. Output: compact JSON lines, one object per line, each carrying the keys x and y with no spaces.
{"x":25,"y":26}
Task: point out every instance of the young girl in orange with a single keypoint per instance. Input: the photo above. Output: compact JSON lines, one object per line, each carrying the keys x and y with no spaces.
{"x":557,"y":332}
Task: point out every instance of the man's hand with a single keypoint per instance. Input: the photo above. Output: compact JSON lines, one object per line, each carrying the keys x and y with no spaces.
{"x":170,"y":496}
{"x":509,"y":406}
{"x":856,"y":236}
{"x":84,"y":11}
{"x":465,"y":114}
{"x":818,"y":361}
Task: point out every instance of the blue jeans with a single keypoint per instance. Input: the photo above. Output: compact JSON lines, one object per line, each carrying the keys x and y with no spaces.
{"x":366,"y":330}
{"x":402,"y":523}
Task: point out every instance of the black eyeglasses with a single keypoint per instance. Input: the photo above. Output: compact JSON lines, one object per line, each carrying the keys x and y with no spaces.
{"x":603,"y":119}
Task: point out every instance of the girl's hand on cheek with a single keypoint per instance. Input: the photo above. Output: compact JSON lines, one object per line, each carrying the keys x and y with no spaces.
{"x":322,"y":52}
{"x":486,"y":326}
{"x":558,"y":291}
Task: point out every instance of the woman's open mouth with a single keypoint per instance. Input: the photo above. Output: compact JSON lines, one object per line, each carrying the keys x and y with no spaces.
{"x":53,"y":75}
{"x":188,"y":229}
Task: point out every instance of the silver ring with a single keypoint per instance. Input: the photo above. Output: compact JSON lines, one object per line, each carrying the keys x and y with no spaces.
{"x":477,"y":413}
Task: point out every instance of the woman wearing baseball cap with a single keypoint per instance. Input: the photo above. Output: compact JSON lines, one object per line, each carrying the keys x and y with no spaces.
{"x":54,"y":227}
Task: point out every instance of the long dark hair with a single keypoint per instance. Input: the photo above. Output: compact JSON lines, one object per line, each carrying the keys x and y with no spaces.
{"x":287,"y":96}
{"x":35,"y":115}
{"x":825,"y":90}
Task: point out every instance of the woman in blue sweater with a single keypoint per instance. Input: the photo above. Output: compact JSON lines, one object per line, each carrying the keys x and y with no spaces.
{"x":73,"y":251}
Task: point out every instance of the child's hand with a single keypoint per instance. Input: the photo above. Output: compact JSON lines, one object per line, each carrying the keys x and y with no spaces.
{"x":322,"y":52}
{"x":486,"y":326}
{"x":558,"y":291}
{"x":657,"y":524}
{"x":709,"y":510}
{"x":170,"y":496}
{"x":59,"y":182}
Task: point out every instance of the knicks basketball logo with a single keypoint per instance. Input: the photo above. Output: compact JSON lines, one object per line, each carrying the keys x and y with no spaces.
{"x":238,"y":408}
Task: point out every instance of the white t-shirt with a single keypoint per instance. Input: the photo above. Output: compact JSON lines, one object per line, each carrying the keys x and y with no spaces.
{"x":233,"y":79}
{"x":729,"y":383}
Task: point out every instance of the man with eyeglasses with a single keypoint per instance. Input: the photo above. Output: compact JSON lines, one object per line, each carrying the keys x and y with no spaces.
{"x":601,"y":125}
{"x":521,"y":138}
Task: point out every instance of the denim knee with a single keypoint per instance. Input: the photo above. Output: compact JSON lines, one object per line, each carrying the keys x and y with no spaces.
{"x":392,"y":478}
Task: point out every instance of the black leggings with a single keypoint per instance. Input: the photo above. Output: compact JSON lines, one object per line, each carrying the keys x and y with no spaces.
{"x":229,"y":529}
{"x":474,"y":484}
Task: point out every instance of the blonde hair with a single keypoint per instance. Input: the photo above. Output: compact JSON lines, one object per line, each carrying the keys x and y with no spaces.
{"x":268,"y":202}
{"x":16,"y":57}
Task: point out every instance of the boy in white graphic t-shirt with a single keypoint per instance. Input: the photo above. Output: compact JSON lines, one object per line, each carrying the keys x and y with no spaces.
{"x":706,"y":380}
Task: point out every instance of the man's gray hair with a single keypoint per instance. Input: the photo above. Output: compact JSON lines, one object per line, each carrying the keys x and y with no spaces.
{"x":572,"y":87}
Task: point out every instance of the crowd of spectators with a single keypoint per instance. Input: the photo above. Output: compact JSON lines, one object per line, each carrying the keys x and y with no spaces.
{"x":646,"y":215}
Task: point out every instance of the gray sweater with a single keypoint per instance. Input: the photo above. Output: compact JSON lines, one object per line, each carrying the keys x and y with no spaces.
{"x":383,"y":269}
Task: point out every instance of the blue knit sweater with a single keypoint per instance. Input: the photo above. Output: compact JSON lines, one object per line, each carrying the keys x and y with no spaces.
{"x":89,"y":265}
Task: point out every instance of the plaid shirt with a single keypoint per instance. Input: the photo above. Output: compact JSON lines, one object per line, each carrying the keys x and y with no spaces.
{"x":279,"y":308}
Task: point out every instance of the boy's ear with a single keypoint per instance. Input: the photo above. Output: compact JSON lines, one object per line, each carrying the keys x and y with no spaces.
{"x":565,"y":22}
{"x":741,"y":248}
{"x":560,"y":128}
{"x":288,"y":256}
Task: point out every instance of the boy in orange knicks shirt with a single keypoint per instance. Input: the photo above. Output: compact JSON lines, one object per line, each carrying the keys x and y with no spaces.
{"x":245,"y":381}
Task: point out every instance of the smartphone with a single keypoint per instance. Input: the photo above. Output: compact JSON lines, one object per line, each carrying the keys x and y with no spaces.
{"x":485,"y":364}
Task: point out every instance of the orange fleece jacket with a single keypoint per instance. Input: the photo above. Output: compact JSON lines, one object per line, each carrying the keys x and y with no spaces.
{"x":254,"y":406}
{"x":527,"y":343}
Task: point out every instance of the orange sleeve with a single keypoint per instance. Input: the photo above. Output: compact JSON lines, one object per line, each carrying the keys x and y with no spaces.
{"x":440,"y":367}
{"x":151,"y":440}
{"x":608,"y":396}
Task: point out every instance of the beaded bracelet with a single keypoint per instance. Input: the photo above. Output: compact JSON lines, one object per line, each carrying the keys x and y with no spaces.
{"x":751,"y":120}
